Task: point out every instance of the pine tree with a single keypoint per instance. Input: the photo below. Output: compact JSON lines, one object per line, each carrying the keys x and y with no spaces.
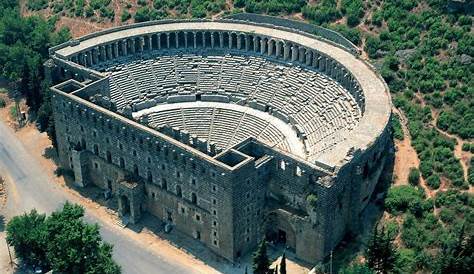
{"x":381,"y":254}
{"x":283,"y":264}
{"x":260,"y":260}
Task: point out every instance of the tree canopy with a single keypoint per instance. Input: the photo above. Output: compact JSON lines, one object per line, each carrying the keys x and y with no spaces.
{"x":62,"y":242}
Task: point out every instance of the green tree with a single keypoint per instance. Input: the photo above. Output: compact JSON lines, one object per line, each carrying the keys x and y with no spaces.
{"x":414,"y":176}
{"x":457,"y":257}
{"x":381,"y":254}
{"x":75,"y":246}
{"x":62,"y":242}
{"x":26,"y":233}
{"x":260,"y":262}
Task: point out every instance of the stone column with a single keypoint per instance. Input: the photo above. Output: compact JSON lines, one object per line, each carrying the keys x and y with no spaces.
{"x":255,"y":43}
{"x":294,"y":53}
{"x":309,"y":57}
{"x":116,"y":51}
{"x":124,"y":47}
{"x":83,"y":59}
{"x":286,"y":51}
{"x":176,"y":39}
{"x":301,"y":55}
{"x":270,"y":46}
{"x":158,"y":40}
{"x":167,"y":40}
{"x":221,"y":39}
{"x":95,"y":55}
{"x":212,"y":40}
{"x":230,"y":40}
{"x":103,"y":57}
{"x":141,"y":43}
{"x":247,"y":42}
{"x":150,"y":42}
{"x":89,"y":58}
{"x":132,"y":45}
{"x":239,"y":41}
{"x":203,"y":40}
{"x":278,"y":49}
{"x":195,"y":40}
{"x":263,"y":45}
{"x":108,"y":47}
{"x":186,"y":39}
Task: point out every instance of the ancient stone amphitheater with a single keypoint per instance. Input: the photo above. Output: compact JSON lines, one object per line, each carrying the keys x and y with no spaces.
{"x":228,"y":130}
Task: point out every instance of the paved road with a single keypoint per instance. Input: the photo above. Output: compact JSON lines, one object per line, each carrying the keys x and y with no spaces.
{"x":32,"y":188}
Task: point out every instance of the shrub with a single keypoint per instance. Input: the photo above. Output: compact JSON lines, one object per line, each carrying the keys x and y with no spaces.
{"x":397,"y":128}
{"x":312,"y":200}
{"x":466,"y":147}
{"x":2,"y":103}
{"x":447,"y":215}
{"x":400,"y":197}
{"x":37,"y":4}
{"x":125,"y":15}
{"x":433,"y":181}
{"x":414,"y":176}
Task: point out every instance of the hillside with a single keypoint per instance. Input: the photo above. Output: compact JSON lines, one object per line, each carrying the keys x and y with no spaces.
{"x":423,"y":49}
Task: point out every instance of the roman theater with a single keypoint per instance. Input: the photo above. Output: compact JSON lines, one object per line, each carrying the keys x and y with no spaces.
{"x":228,"y":130}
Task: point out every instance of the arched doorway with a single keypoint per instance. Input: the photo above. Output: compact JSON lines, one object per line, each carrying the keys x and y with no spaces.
{"x":279,"y":230}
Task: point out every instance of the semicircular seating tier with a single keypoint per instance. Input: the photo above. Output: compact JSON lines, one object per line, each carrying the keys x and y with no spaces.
{"x":319,"y":108}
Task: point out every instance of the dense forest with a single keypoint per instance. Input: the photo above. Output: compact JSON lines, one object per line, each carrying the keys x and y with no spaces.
{"x":423,"y":50}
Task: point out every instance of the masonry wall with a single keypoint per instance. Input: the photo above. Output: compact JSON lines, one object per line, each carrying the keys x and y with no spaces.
{"x":118,"y":148}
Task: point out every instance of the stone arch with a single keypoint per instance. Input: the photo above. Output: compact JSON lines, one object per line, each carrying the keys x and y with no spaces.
{"x":172,"y":41}
{"x":280,"y":230}
{"x":162,"y":40}
{"x":207,"y":39}
{"x":190,"y":39}
{"x":199,"y":40}
{"x":181,"y":39}
{"x":233,"y":40}
{"x":215,"y":39}
{"x":225,"y":36}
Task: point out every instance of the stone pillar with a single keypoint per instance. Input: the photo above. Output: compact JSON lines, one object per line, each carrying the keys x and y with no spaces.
{"x":221,"y":39}
{"x":212,"y":40}
{"x":150,"y":42}
{"x":270,"y":46}
{"x":89,"y":58}
{"x":309,"y":57}
{"x":255,"y":43}
{"x":195,"y":40}
{"x":247,"y":42}
{"x":263,"y":45}
{"x":230,"y":40}
{"x":286,"y":51}
{"x":95,"y":55}
{"x":186,"y":39}
{"x":124,"y":47}
{"x":239,"y":41}
{"x":158,"y":40}
{"x":83,"y":59}
{"x":141,"y":43}
{"x":294,"y":53}
{"x":301,"y":54}
{"x":103,"y":55}
{"x":108,"y":47}
{"x":116,"y":51}
{"x":203,"y":40}
{"x":176,"y":39}
{"x":132,"y":45}
{"x":278,"y":49}
{"x":167,"y":40}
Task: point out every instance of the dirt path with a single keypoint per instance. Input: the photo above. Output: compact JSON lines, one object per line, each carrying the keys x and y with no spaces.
{"x":406,"y":158}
